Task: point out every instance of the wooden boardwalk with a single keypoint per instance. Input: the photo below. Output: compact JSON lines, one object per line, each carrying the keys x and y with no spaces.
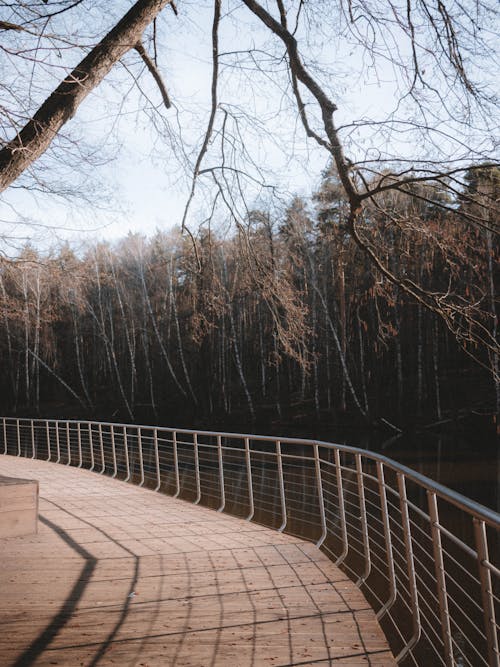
{"x":123,"y":576}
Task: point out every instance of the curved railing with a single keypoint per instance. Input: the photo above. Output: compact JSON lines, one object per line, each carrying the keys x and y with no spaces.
{"x":425,"y":557}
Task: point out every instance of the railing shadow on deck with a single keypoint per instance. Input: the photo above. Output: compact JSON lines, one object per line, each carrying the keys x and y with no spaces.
{"x":425,"y":557}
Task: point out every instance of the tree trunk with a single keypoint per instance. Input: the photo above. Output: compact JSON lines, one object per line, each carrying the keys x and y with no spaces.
{"x":343,"y":330}
{"x":262,"y":357}
{"x":130,"y":346}
{"x":314,"y":347}
{"x":78,"y":341}
{"x":152,"y":315}
{"x":362,"y":361}
{"x":420,"y":359}
{"x":399,"y":353}
{"x":239,"y":365}
{"x":178,"y":332}
{"x":36,"y":136}
{"x":435,"y":363}
{"x":494,"y":333}
{"x":9,"y":342}
{"x":26,"y":339}
{"x":35,"y":376}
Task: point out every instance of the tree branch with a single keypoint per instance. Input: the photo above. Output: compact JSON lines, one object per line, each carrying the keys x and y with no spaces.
{"x":36,"y":136}
{"x":213,"y":109}
{"x":139,"y":47}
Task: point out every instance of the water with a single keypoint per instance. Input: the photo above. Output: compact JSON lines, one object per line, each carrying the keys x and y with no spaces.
{"x":466,"y":465}
{"x":467,"y":462}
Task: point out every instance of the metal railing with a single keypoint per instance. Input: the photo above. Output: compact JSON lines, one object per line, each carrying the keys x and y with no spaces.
{"x":425,"y":557}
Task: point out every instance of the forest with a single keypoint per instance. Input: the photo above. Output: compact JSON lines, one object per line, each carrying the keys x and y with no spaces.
{"x":370,"y":301}
{"x":282,"y":321}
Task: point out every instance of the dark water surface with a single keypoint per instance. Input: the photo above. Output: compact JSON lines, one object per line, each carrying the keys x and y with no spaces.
{"x":469,"y":466}
{"x":465,"y":464}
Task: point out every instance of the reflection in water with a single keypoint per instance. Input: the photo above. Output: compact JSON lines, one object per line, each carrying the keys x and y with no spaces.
{"x":465,"y":462}
{"x":471,"y":467}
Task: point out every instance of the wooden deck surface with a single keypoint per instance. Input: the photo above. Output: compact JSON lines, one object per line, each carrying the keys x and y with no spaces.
{"x":119,"y":575}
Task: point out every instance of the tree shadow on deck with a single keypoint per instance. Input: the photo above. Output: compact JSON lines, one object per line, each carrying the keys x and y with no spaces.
{"x":211,"y":594}
{"x":41,"y":643}
{"x":68,"y":608}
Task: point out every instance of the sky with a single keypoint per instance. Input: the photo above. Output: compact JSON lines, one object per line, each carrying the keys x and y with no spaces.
{"x":142,"y":181}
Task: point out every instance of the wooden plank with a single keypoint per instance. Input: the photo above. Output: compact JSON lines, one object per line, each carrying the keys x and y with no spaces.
{"x":120,"y":575}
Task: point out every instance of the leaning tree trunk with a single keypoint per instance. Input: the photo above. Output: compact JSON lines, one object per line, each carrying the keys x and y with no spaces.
{"x":36,"y":136}
{"x":180,"y":347}
{"x":128,"y":338}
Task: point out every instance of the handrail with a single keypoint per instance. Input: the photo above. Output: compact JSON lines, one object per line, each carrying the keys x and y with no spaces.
{"x":462,"y":502}
{"x":403,"y":538}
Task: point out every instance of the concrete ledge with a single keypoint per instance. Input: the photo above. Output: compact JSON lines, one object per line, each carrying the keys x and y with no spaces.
{"x":18,"y":506}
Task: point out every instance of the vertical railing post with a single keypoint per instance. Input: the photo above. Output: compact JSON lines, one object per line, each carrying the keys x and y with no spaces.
{"x":47,"y":432}
{"x":281,"y":481}
{"x":4,"y":427}
{"x":33,"y":453}
{"x":113,"y":451}
{"x":249,"y":480}
{"x":440,"y":579}
{"x":410,"y":564}
{"x":141,"y":458}
{"x":157,"y":459}
{"x":486,"y":592}
{"x":304,"y":485}
{"x":91,"y":447}
{"x":58,"y":443}
{"x":101,"y":447}
{"x":18,"y":432}
{"x":342,"y":517}
{"x":321,"y":497}
{"x":364,"y":522}
{"x":176,"y":465}
{"x":221,"y":475}
{"x":68,"y":442}
{"x":197,"y":469}
{"x":384,"y":510}
{"x":127,"y":460}
{"x":79,"y":442}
